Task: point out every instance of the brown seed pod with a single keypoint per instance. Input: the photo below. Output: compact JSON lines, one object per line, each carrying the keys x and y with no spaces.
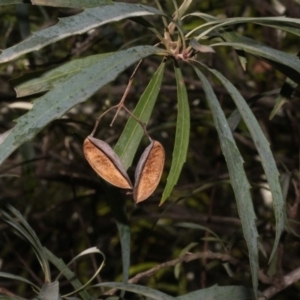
{"x":148,"y":171}
{"x":105,"y":162}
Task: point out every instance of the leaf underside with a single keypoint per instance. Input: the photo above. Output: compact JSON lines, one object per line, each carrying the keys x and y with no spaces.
{"x":65,"y":95}
{"x":87,"y":20}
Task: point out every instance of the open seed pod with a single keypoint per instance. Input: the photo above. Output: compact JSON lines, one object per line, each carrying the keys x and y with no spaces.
{"x":148,"y":171}
{"x":105,"y":162}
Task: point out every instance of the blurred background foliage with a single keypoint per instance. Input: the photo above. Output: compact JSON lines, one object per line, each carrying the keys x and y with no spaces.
{"x":62,"y":198}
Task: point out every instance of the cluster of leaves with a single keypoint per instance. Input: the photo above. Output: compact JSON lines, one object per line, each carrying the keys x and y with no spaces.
{"x":186,"y":41}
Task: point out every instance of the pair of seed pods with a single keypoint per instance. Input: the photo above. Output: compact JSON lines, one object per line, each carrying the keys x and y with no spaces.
{"x":108,"y":165}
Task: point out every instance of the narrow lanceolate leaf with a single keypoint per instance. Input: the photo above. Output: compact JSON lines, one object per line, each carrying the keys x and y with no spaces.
{"x":220,"y":292}
{"x":68,"y":274}
{"x":105,"y":162}
{"x":201,"y":48}
{"x":138,"y":289}
{"x":235,"y":118}
{"x":237,"y":176}
{"x":45,"y":80}
{"x":273,"y":57}
{"x":78,"y":24}
{"x":277,"y":22}
{"x":19,"y":278}
{"x":133,"y":132}
{"x":65,"y":95}
{"x":125,"y":240}
{"x":117,"y":204}
{"x":14,"y":218}
{"x":10,"y":2}
{"x":179,"y":13}
{"x":60,"y":3}
{"x":286,"y":63}
{"x":285,"y":27}
{"x":71,"y":3}
{"x":148,"y":171}
{"x":267,"y":158}
{"x":181,"y":136}
{"x":182,"y":9}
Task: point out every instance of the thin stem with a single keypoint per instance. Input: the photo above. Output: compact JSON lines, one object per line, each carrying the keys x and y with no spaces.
{"x":159,"y":36}
{"x":190,"y":257}
{"x":170,"y":30}
{"x":11,"y":295}
{"x":121,"y":103}
{"x":286,"y":281}
{"x":176,"y":8}
{"x":181,"y":35}
{"x":161,"y":9}
{"x":139,"y":121}
{"x":171,"y":26}
{"x":99,"y":118}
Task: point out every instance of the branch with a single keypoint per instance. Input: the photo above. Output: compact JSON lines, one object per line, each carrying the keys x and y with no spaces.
{"x":184,"y":258}
{"x":189,"y":257}
{"x":6,"y":292}
{"x":286,"y":281}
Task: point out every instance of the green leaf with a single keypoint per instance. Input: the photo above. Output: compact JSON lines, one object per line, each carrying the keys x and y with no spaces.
{"x":19,"y":278}
{"x":205,"y":17}
{"x":117,"y":205}
{"x":125,"y":236}
{"x":237,"y":176}
{"x":271,"y":56}
{"x":287,"y":63}
{"x":71,"y":3}
{"x":65,"y":270}
{"x":41,"y":81}
{"x":89,"y":251}
{"x":181,"y":136}
{"x":263,"y":148}
{"x":179,"y":11}
{"x":125,"y":239}
{"x":65,"y":95}
{"x":10,"y":2}
{"x":220,"y":292}
{"x":277,"y":22}
{"x":286,"y":27}
{"x":182,"y":9}
{"x":138,"y":289}
{"x":132,"y":134}
{"x":60,"y":3}
{"x":201,"y":227}
{"x":235,"y":118}
{"x":14,"y":218}
{"x":285,"y":180}
{"x":201,"y":48}
{"x":78,"y":24}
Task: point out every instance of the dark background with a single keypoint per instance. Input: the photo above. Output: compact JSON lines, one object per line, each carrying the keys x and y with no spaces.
{"x":63,"y":199}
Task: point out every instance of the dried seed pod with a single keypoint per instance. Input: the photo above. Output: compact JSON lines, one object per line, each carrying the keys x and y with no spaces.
{"x":105,"y":162}
{"x":148,"y":171}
